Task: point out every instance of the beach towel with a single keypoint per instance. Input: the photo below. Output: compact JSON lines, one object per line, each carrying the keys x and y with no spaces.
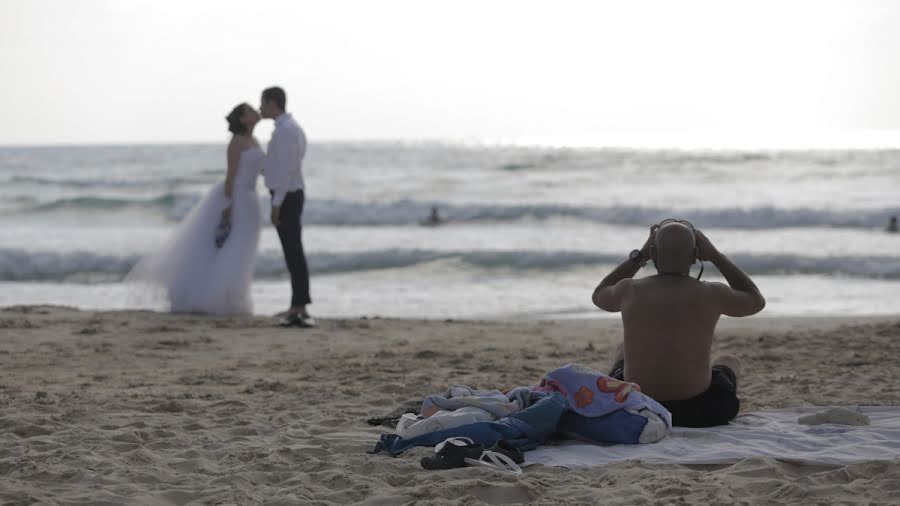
{"x":772,"y":434}
{"x":603,"y":409}
{"x":594,"y":394}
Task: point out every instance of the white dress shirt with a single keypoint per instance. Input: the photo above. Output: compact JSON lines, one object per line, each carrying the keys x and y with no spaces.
{"x":284,"y":161}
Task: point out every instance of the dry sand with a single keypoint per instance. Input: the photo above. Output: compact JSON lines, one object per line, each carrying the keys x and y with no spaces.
{"x":137,"y":407}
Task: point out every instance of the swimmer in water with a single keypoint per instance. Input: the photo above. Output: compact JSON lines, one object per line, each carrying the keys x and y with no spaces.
{"x":434,"y":219}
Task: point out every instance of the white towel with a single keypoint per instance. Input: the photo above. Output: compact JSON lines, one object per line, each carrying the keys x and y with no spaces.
{"x":774,"y":434}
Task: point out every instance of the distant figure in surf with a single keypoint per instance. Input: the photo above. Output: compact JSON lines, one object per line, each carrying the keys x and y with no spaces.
{"x":892,"y":226}
{"x":433,"y":220}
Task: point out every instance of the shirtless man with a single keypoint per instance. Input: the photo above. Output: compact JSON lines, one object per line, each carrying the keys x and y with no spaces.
{"x":669,"y":320}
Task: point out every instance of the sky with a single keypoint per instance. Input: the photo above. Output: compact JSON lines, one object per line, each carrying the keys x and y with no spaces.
{"x":564,"y":72}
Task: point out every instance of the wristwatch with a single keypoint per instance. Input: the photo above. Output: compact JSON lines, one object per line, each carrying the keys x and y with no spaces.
{"x":637,"y":256}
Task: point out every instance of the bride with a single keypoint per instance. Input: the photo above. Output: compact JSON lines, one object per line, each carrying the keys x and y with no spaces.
{"x":191,"y":273}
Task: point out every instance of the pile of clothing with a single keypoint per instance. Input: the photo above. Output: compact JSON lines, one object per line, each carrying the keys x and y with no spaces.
{"x":573,"y":401}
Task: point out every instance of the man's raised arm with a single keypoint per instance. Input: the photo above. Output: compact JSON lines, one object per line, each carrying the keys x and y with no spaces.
{"x":610,"y":292}
{"x":741,"y":297}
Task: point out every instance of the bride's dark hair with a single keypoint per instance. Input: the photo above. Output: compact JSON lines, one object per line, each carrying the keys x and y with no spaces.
{"x":234,"y":120}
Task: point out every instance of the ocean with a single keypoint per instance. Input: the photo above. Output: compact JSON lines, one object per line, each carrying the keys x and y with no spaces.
{"x":528,"y":231}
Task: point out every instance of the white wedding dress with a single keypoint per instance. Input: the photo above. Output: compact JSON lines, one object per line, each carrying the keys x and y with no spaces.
{"x":189,"y":274}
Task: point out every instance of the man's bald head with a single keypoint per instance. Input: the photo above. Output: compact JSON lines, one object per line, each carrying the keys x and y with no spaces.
{"x":675,"y":248}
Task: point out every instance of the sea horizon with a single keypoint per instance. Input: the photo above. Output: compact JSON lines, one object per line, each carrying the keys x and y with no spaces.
{"x":651,"y":140}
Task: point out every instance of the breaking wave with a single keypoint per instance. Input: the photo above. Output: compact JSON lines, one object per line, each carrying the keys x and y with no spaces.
{"x":410,"y":212}
{"x":81,"y":266}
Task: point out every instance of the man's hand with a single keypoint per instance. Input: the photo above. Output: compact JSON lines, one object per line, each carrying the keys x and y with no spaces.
{"x":706,"y":250}
{"x":645,"y":249}
{"x":276,"y":215}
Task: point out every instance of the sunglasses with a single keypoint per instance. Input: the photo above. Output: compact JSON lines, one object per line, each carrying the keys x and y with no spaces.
{"x":693,"y":231}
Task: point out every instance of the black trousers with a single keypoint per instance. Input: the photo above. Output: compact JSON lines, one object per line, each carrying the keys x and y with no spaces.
{"x":718,"y":405}
{"x":289,"y":231}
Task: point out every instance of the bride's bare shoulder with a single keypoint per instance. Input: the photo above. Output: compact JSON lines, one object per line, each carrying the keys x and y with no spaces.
{"x":239,"y":143}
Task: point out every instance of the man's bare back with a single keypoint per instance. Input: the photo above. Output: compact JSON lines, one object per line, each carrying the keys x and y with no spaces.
{"x":669,"y":323}
{"x":669,"y":319}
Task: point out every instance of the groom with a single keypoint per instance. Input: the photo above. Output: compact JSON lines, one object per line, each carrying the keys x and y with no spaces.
{"x":284,"y":177}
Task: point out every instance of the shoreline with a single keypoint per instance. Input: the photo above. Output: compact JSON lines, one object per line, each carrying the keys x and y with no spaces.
{"x":142,"y":407}
{"x":725,"y":323}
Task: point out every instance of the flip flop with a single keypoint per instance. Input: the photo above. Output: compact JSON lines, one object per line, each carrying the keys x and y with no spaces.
{"x":452,"y":453}
{"x":503,"y":446}
{"x":496,"y":461}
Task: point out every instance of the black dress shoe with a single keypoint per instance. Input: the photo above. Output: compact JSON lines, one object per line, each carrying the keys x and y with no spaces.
{"x":306,"y":322}
{"x":297,"y":320}
{"x":290,"y":320}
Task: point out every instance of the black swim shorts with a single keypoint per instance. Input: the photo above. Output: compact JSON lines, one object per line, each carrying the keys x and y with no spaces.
{"x":718,"y":405}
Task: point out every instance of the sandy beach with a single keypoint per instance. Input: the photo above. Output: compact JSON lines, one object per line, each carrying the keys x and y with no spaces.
{"x":146,"y":408}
